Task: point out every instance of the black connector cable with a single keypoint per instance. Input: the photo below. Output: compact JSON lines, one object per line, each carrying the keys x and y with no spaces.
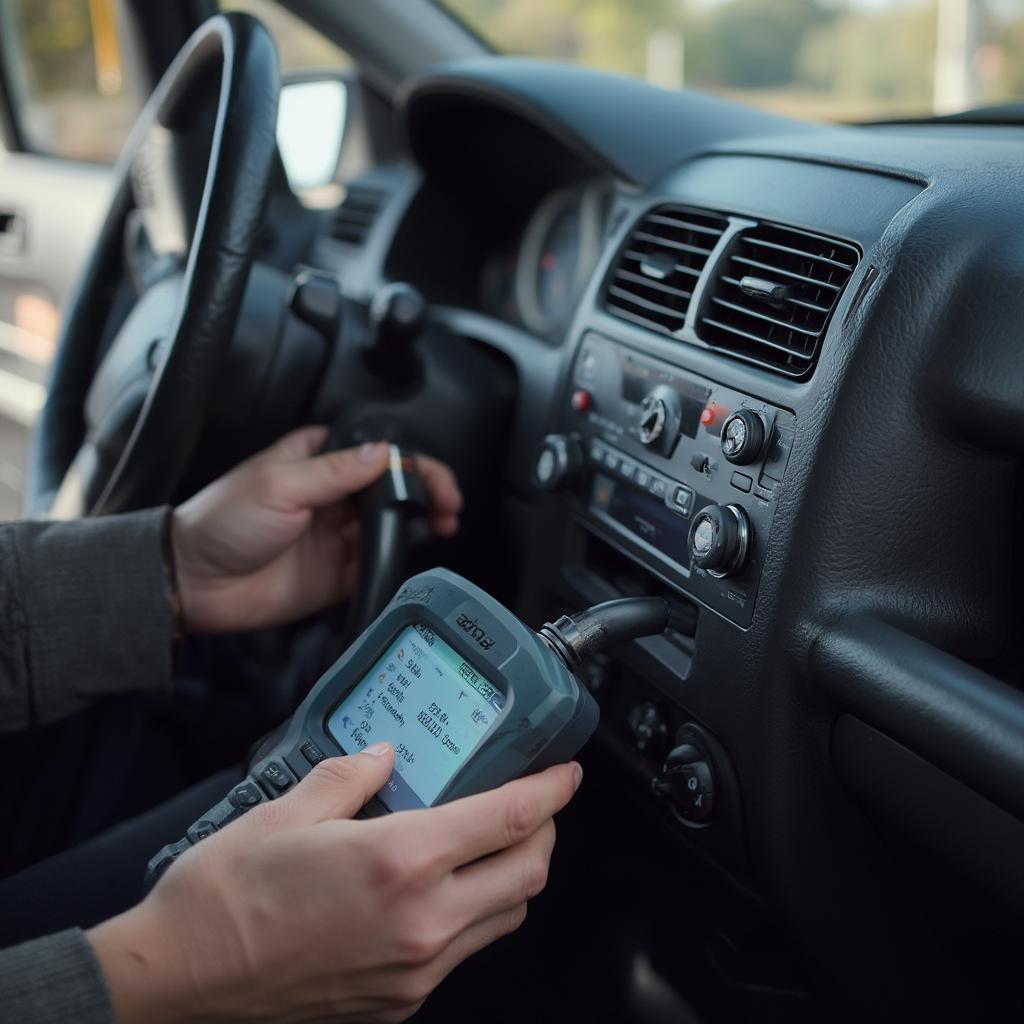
{"x":577,"y":637}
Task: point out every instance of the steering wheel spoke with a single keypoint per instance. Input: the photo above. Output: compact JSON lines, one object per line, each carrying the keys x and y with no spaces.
{"x":120,"y":425}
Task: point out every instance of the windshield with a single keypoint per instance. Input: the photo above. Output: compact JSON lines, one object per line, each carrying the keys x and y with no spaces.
{"x":844,"y":60}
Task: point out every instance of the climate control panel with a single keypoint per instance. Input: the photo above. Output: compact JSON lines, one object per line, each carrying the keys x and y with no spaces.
{"x":679,"y":472}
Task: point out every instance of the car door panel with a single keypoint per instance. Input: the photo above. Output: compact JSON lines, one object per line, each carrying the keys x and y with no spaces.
{"x":50,"y":212}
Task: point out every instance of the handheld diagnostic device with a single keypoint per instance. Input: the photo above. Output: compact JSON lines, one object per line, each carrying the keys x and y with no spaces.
{"x":466,"y":693}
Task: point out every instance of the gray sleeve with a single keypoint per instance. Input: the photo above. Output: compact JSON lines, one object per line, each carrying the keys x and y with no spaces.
{"x":85,"y":612}
{"x":56,"y":978}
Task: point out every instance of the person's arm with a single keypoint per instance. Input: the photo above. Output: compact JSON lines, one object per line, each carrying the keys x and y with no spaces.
{"x":53,"y":980}
{"x":86,"y":607}
{"x":86,"y":610}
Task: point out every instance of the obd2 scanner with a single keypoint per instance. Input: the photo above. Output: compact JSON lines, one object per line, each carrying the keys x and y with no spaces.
{"x":468,"y":695}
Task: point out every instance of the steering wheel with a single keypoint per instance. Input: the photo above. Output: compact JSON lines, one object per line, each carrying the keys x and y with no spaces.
{"x":125,"y":405}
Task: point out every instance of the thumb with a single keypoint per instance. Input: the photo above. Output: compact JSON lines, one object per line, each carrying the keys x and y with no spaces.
{"x":327,"y":479}
{"x":337,"y":787}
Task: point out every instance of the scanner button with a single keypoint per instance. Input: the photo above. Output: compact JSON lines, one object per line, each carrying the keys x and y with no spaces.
{"x":165,"y":858}
{"x":311,"y":752}
{"x":248,"y":794}
{"x":201,"y":830}
{"x":275,"y":778}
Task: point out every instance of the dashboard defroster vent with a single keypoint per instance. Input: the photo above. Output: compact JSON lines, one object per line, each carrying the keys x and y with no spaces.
{"x":653,"y":281}
{"x":357,"y":213}
{"x":773,"y":296}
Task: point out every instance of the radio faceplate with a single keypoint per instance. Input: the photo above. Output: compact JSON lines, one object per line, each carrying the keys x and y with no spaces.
{"x":650,"y":435}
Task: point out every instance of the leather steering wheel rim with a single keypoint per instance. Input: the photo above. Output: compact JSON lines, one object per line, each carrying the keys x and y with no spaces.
{"x":224,"y":239}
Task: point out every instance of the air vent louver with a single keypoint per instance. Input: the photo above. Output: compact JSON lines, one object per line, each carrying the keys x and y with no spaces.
{"x":657,"y":270}
{"x":773,"y":296}
{"x":357,"y":213}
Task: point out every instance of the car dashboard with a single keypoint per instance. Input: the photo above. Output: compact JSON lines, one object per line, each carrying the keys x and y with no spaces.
{"x":771,"y":371}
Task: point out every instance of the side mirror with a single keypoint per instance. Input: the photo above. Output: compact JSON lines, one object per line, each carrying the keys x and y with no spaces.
{"x":311,"y":120}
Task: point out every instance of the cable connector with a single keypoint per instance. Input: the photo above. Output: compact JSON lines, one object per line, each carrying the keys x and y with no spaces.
{"x":574,"y":638}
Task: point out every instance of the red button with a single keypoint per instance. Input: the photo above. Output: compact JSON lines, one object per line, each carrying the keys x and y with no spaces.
{"x":581,"y":400}
{"x":707,"y":417}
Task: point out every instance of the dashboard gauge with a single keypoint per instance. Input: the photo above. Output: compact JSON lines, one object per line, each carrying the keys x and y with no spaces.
{"x":558,"y":252}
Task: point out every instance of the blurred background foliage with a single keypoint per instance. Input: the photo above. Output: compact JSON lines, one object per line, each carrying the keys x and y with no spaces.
{"x":835,"y":59}
{"x":823,"y":59}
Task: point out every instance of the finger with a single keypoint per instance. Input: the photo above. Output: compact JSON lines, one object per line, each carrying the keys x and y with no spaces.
{"x":329,"y":478}
{"x":336,"y":788}
{"x":445,"y":496}
{"x":445,"y":526}
{"x":297,"y":445}
{"x":468,"y":829}
{"x":505,"y":879}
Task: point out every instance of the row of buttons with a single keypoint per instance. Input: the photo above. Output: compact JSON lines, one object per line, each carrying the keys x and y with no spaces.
{"x":269,"y":780}
{"x":677,"y":497}
{"x":744,"y":483}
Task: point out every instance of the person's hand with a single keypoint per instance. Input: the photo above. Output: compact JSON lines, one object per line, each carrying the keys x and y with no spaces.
{"x":295,"y":913}
{"x":276,"y":538}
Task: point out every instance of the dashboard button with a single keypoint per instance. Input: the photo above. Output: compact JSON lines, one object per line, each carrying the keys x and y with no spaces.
{"x":643,"y":478}
{"x":558,"y":462}
{"x":699,"y":461}
{"x":627,"y":469}
{"x":658,"y":487}
{"x":742,"y":482}
{"x":581,"y":400}
{"x":682,"y":499}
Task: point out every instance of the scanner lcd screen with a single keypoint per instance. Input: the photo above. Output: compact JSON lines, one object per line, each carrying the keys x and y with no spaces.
{"x":429,"y":703}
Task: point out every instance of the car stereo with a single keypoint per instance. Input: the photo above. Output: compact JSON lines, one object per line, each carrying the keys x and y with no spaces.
{"x":681,"y":473}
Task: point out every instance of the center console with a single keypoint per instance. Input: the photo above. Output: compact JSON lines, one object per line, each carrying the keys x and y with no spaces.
{"x":676,"y":471}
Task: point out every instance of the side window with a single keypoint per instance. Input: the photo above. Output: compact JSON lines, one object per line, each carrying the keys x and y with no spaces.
{"x":300,"y":47}
{"x":67,"y":75}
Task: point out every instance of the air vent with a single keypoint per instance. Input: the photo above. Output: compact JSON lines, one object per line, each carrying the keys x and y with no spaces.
{"x":357,"y":213}
{"x":657,"y":270}
{"x":774,"y":295}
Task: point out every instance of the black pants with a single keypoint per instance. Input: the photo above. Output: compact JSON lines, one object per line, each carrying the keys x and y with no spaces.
{"x":103,"y":876}
{"x":85,"y":802}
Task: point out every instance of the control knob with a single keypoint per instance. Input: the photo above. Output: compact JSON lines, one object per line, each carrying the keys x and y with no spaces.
{"x":647,"y":729}
{"x":398,"y":316}
{"x":720,"y":537}
{"x":661,"y":414}
{"x":687,"y":781}
{"x":558,"y":462}
{"x":743,"y":437}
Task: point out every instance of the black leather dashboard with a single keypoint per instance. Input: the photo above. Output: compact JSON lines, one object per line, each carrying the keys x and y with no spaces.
{"x":888,"y":597}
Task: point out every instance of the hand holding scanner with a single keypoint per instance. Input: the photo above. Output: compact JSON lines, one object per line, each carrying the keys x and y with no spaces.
{"x":467,"y":694}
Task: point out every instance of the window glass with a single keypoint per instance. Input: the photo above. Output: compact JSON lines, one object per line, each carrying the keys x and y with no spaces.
{"x":68,"y":76}
{"x":300,"y":47}
{"x":824,"y":59}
